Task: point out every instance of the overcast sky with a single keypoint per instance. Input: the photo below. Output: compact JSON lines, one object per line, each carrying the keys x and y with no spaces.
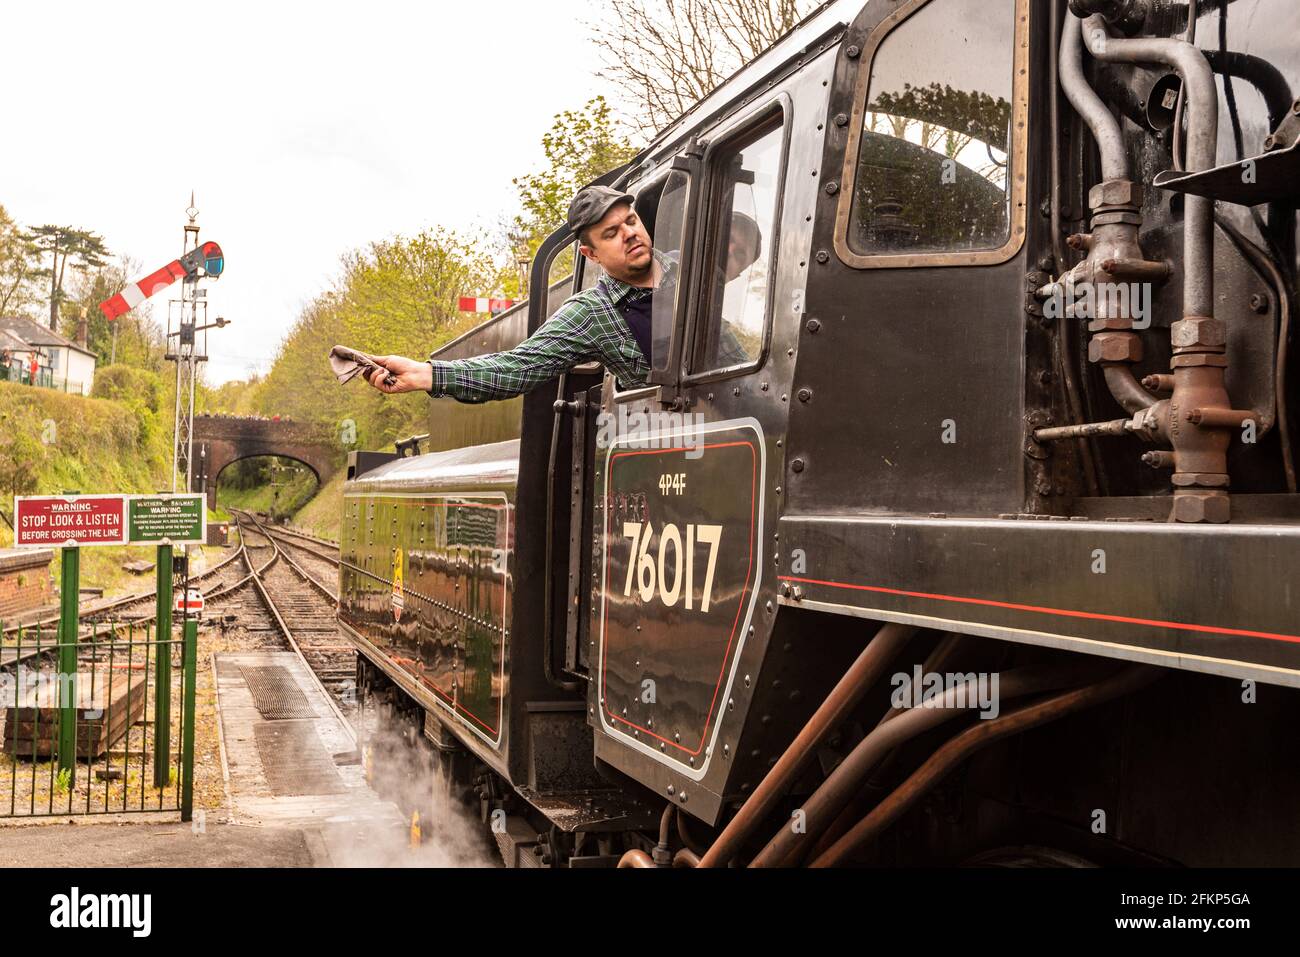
{"x":305,"y":130}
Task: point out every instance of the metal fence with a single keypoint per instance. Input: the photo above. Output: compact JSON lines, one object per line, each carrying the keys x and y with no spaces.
{"x":100,"y":725}
{"x":45,"y":379}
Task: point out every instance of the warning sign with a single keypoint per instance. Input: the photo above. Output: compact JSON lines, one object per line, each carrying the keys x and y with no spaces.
{"x":45,"y":521}
{"x":180,"y":519}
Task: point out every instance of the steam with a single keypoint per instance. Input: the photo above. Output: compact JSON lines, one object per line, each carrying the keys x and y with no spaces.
{"x":412,"y":778}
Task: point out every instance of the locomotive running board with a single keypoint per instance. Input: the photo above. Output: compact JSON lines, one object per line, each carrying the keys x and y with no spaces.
{"x":1219,"y":599}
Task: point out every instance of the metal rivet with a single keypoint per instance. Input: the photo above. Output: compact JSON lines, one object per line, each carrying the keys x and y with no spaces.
{"x":841,"y":119}
{"x":814,"y":325}
{"x":823,"y":256}
{"x":797,"y":465}
{"x":832,"y":188}
{"x":805,"y":395}
{"x":853,"y":51}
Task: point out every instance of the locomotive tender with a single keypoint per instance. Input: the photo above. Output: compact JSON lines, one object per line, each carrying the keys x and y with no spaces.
{"x":1013,"y":409}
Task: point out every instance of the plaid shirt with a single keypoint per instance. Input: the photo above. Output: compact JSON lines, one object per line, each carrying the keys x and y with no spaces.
{"x":587,"y":326}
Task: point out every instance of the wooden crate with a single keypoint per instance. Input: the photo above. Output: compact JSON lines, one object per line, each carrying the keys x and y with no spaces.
{"x":32,"y":726}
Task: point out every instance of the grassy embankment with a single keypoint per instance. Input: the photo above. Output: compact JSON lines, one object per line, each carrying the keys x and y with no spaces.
{"x":52,"y":443}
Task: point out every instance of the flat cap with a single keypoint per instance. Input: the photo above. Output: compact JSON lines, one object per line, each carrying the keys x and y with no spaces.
{"x":591,"y":204}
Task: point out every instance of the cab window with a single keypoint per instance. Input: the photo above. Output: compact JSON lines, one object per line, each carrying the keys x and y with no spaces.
{"x":740,"y":248}
{"x":934,"y":159}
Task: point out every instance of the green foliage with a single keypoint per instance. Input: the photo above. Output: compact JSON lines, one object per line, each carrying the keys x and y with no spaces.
{"x":581,"y":146}
{"x":16,"y":264}
{"x":63,"y":781}
{"x":127,"y":384}
{"x":277,"y":486}
{"x":395,"y":297}
{"x":87,"y":444}
{"x":138,"y":390}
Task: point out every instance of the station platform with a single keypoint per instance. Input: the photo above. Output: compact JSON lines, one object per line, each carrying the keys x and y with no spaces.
{"x":296,"y":794}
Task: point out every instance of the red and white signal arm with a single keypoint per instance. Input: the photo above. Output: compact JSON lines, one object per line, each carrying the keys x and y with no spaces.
{"x":189,"y":600}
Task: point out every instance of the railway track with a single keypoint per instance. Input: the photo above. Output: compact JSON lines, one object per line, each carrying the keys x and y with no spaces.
{"x":295,"y":597}
{"x":141,"y":607}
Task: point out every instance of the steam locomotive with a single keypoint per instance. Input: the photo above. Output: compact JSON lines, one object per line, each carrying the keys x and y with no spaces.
{"x":986,"y":548}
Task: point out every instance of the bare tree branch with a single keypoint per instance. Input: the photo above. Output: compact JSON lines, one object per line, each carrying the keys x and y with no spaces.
{"x":666,"y":55}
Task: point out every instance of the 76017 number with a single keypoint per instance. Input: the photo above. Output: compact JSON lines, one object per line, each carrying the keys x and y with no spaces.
{"x":650,"y":572}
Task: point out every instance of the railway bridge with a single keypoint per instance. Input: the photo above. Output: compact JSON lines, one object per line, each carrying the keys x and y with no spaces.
{"x":220,"y":440}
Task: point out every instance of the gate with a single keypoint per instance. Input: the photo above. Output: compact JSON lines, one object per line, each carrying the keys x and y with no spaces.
{"x":100,"y":724}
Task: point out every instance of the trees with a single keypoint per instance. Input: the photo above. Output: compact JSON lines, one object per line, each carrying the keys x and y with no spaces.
{"x":396,"y":296}
{"x":666,"y":55}
{"x":86,"y":249}
{"x":580,"y":146}
{"x":15,"y":266}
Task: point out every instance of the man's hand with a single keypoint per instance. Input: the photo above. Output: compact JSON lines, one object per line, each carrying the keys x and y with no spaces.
{"x":412,"y":376}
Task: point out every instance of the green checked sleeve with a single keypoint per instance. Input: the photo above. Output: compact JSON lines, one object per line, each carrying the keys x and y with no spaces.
{"x":563,"y":341}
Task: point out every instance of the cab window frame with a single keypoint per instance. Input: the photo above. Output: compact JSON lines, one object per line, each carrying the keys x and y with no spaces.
{"x":779,"y":110}
{"x":1017,"y":169}
{"x":656,"y":177}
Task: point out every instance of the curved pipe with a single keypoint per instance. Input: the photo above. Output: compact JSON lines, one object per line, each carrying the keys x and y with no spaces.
{"x":850,"y":774}
{"x":972,"y":740}
{"x":1105,"y":128}
{"x":635,"y":858}
{"x":1202,"y":142}
{"x":1126,"y":389}
{"x":686,"y":858}
{"x":884,"y":646}
{"x":685,"y":836}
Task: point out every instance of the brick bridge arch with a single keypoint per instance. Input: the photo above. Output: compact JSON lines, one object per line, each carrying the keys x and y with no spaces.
{"x":220,"y":440}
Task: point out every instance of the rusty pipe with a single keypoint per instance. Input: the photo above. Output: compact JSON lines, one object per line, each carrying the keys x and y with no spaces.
{"x":820,"y":809}
{"x":1222,"y":418}
{"x":883,"y":648}
{"x":1114,"y":427}
{"x":973,"y":739}
{"x":635,"y":858}
{"x":685,"y":836}
{"x":1136,"y":270}
{"x":686,"y":858}
{"x":1126,"y":389}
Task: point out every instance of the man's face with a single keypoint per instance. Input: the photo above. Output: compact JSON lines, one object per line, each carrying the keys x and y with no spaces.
{"x":742,"y":251}
{"x":620,"y":244}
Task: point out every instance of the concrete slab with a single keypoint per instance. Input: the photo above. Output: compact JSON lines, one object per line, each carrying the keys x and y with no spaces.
{"x":258,"y":751}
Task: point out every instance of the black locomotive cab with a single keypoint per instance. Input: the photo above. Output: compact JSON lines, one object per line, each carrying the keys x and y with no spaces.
{"x":974,"y":363}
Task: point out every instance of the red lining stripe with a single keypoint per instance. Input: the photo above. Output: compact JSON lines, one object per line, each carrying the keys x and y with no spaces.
{"x":1043,"y":610}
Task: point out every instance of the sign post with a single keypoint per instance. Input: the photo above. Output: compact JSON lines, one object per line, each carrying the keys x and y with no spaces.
{"x":190,"y":666}
{"x":162,"y":696}
{"x":69,"y":592}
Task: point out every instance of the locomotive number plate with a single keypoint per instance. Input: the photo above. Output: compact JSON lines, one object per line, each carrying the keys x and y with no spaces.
{"x":681,"y":555}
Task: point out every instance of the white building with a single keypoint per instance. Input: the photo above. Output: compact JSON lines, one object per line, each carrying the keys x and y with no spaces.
{"x":60,"y":363}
